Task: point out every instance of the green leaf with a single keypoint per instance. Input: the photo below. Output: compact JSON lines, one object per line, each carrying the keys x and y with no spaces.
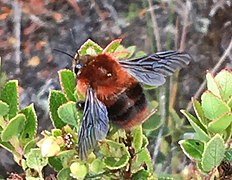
{"x":97,"y":166}
{"x":56,"y":99}
{"x":56,"y":132}
{"x":212,"y":106}
{"x":35,"y":160}
{"x":137,"y":134}
{"x":176,"y":118}
{"x":7,"y":146}
{"x":31,"y":144}
{"x":68,"y":113}
{"x":152,"y":123}
{"x":220,"y":124}
{"x":90,"y":48}
{"x":9,"y":95}
{"x":230,"y":102}
{"x":145,"y":141}
{"x":14,"y":127}
{"x":131,"y":50}
{"x":140,"y":175}
{"x":62,"y":159}
{"x":199,"y":129}
{"x":212,"y":85}
{"x":4,"y":108}
{"x":55,"y":163}
{"x":116,"y":154}
{"x":213,"y":153}
{"x":78,"y":170}
{"x":30,"y":128}
{"x":143,"y":157}
{"x":121,"y":52}
{"x":140,"y":54}
{"x":116,"y":163}
{"x":199,"y":112}
{"x":110,"y":48}
{"x":67,"y":81}
{"x":227,"y":133}
{"x":224,"y":79}
{"x":64,"y":174}
{"x":192,"y":148}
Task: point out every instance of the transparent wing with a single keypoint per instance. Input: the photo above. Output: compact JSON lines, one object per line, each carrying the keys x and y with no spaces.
{"x":94,"y":125}
{"x":153,"y":69}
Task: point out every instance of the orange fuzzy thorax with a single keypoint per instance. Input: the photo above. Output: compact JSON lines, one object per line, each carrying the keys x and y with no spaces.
{"x":106,"y":76}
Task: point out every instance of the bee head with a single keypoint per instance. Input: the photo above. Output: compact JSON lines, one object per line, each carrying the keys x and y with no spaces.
{"x":79,"y":62}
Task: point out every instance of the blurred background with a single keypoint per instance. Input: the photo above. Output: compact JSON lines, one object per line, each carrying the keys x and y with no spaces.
{"x":31,"y":29}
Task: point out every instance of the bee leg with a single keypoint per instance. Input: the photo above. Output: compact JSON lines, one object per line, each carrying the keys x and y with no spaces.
{"x":80,"y":105}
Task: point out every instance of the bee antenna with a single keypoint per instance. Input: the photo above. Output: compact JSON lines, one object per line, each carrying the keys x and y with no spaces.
{"x":58,"y":50}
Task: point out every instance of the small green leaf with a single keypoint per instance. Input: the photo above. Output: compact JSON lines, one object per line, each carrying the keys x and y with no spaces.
{"x":212,"y":106}
{"x":131,"y":50}
{"x":145,"y":141}
{"x":224,"y":79}
{"x":31,"y":144}
{"x":116,"y":154}
{"x":56,"y":132}
{"x":176,"y":118}
{"x":227,"y":133}
{"x":4,"y":108}
{"x":97,"y":166}
{"x":213,"y":153}
{"x":7,"y":146}
{"x":29,"y":131}
{"x":116,"y":163}
{"x":199,"y":129}
{"x":35,"y":160}
{"x":68,"y":113}
{"x":220,"y":124}
{"x":14,"y":127}
{"x":137,"y":134}
{"x":9,"y":95}
{"x":110,"y":48}
{"x":192,"y":148}
{"x":55,"y":163}
{"x":66,"y":156}
{"x":152,"y":123}
{"x":67,"y":81}
{"x":62,"y":159}
{"x":199,"y":112}
{"x":64,"y":174}
{"x":121,"y":52}
{"x":140,"y":175}
{"x":140,"y":54}
{"x":143,"y":157}
{"x":212,"y":85}
{"x":78,"y":170}
{"x":230,"y":102}
{"x":56,"y":99}
{"x":90,"y":48}
{"x":112,"y":148}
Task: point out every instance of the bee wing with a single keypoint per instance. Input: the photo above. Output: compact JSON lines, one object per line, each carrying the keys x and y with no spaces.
{"x":94,"y":125}
{"x":153,"y":69}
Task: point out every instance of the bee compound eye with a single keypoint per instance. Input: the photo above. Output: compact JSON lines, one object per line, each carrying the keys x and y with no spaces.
{"x":77,"y":68}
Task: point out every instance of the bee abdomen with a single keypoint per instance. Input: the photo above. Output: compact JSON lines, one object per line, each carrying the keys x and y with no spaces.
{"x":129,"y":105}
